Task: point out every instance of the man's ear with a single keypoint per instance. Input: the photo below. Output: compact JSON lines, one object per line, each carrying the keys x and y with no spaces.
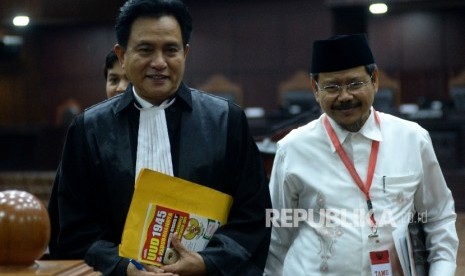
{"x":186,"y":50}
{"x":375,"y":79}
{"x":315,"y":89}
{"x":119,"y":50}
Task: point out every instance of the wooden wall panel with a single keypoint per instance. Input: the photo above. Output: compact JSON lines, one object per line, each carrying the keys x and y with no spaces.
{"x":454,"y":37}
{"x":72,"y":61}
{"x":422,"y":48}
{"x":7,"y":94}
{"x":422,"y":38}
{"x":257,"y":44}
{"x":19,"y":87}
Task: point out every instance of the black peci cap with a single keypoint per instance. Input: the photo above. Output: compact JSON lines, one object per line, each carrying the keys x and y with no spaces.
{"x":341,"y":52}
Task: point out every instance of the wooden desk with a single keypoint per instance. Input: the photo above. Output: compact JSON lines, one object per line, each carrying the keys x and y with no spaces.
{"x":51,"y":268}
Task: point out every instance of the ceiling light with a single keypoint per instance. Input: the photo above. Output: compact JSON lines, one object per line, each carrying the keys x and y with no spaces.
{"x":21,"y":20}
{"x":378,"y":8}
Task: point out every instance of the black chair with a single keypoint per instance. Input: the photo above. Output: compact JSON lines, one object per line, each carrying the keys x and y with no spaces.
{"x":295,"y":95}
{"x":385,"y":101}
{"x":221,"y":86}
{"x":296,"y":102}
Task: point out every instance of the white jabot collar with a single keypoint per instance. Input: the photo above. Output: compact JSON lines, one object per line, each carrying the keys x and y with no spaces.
{"x":153,"y":144}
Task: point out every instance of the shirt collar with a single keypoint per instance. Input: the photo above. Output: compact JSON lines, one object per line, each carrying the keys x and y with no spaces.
{"x":143,"y":103}
{"x":370,"y":129}
{"x":184,"y":98}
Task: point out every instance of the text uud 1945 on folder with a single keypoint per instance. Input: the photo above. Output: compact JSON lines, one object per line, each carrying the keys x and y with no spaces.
{"x":163,"y":205}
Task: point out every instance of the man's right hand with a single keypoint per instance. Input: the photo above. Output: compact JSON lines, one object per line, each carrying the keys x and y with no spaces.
{"x":149,"y":270}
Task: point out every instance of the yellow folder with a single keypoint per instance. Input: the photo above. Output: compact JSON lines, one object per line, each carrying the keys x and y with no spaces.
{"x":163,"y":205}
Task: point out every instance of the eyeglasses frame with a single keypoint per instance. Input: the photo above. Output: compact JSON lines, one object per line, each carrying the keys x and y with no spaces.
{"x":347,"y":87}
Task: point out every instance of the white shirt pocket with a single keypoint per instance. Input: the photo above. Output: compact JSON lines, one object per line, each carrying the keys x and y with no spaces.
{"x":394,"y":192}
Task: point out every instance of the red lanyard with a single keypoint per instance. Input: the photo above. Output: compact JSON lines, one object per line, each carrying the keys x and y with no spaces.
{"x":364,"y":187}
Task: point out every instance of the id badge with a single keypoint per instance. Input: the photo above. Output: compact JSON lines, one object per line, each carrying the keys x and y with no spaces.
{"x":380,"y":263}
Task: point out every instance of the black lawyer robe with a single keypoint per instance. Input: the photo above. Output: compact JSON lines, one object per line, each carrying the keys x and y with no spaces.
{"x":210,"y":144}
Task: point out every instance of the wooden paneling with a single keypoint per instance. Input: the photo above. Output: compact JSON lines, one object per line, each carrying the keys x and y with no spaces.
{"x":20,"y":101}
{"x":51,"y":268}
{"x":257,"y":44}
{"x":422,"y":48}
{"x":72,"y":62}
{"x":30,"y":148}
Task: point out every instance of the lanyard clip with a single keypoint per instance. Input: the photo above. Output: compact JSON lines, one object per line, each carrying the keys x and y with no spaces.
{"x":374,"y":235}
{"x":374,"y":232}
{"x":370,"y":206}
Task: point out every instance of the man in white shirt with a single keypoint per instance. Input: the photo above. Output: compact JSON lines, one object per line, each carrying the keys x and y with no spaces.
{"x":342,"y":184}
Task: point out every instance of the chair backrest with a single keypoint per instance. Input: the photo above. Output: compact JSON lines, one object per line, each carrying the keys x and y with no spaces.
{"x":295,"y":95}
{"x":457,"y":91}
{"x":387,"y":99}
{"x":66,"y":112}
{"x":384,"y":100}
{"x":221,"y":86}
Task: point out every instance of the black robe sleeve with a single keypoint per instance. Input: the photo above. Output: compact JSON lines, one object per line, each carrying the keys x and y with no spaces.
{"x":241,"y":246}
{"x":76,"y":210}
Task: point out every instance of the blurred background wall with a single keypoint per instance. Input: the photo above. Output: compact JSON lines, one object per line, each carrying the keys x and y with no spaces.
{"x":257,"y":44}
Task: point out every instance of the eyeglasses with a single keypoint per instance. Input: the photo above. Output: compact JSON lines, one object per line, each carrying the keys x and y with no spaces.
{"x":353,"y":87}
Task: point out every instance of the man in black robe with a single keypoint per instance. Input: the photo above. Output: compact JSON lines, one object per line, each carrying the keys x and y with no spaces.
{"x":198,"y":137}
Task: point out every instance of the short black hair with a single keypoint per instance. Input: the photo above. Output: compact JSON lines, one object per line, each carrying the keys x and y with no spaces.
{"x":110,"y":62}
{"x":134,"y":9}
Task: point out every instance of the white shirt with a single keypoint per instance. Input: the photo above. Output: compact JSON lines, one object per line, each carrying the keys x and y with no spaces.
{"x":309,"y":175}
{"x":153,"y":144}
